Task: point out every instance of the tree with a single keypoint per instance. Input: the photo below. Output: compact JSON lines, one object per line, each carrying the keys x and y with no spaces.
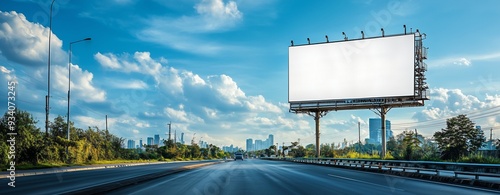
{"x":459,"y":138}
{"x":311,"y":150}
{"x":272,"y":149}
{"x":28,"y":143}
{"x":300,"y":151}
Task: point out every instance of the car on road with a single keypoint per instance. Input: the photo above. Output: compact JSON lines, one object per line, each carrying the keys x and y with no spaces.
{"x":238,"y":156}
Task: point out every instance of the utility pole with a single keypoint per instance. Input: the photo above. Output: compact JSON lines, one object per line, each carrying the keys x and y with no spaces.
{"x":106,"y":122}
{"x":175,"y":138}
{"x":169,"y":130}
{"x":359,"y":136}
{"x":491,"y":138}
{"x":47,"y":98}
{"x":359,"y":132}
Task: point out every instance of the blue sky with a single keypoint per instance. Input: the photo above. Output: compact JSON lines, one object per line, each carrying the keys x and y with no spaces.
{"x":219,"y":68}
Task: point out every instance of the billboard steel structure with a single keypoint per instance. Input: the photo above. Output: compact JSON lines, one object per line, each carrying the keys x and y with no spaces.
{"x":377,"y":73}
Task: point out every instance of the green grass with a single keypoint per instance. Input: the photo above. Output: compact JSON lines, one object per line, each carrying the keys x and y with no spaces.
{"x":475,"y":158}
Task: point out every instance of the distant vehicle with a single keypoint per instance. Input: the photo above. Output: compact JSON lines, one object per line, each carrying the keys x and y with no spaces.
{"x":238,"y":156}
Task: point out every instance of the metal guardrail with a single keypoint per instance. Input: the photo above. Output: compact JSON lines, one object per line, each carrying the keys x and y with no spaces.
{"x":483,"y":175}
{"x":448,"y":166}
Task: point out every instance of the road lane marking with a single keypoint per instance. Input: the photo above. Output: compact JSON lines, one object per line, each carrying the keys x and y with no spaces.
{"x":355,"y":180}
{"x":429,"y":181}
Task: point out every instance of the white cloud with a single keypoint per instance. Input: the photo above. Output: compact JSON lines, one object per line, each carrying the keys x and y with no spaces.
{"x":142,"y":125}
{"x":182,"y":116}
{"x":450,"y":102}
{"x":167,"y":78}
{"x":4,"y":70}
{"x":81,"y":84}
{"x":85,"y":121}
{"x":211,"y":113}
{"x":26,"y":43}
{"x":227,"y":89}
{"x":127,"y":84}
{"x":217,"y":14}
{"x":108,"y":60}
{"x":493,"y":100}
{"x":465,"y":60}
{"x":185,"y":33}
{"x":258,"y":103}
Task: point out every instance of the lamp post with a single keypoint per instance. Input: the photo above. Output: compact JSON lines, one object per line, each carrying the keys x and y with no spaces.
{"x":47,"y":102}
{"x":69,"y":82}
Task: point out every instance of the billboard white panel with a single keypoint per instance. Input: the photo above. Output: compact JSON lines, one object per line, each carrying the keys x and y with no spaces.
{"x":365,"y":68}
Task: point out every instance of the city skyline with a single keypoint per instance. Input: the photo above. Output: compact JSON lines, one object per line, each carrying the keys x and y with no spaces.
{"x":259,"y":144}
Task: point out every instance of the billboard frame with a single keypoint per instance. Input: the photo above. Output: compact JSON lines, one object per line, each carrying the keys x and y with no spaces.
{"x":381,"y":105}
{"x":417,"y":99}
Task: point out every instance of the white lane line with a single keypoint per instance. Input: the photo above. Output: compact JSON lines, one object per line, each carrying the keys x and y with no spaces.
{"x":355,"y":180}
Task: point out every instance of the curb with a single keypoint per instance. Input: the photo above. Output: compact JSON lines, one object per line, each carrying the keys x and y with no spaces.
{"x":69,"y":169}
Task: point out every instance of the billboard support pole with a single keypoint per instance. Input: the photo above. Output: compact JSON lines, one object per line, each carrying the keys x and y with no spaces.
{"x":382,"y":112}
{"x":317,"y":115}
{"x":384,"y":142}
{"x":316,"y":118}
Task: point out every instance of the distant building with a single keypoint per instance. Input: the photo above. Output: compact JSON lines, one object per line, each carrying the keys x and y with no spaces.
{"x":375,"y":128}
{"x":230,"y":148}
{"x":270,"y":140}
{"x":157,"y":140}
{"x":249,"y":145}
{"x":150,"y":141}
{"x":260,"y":144}
{"x":130,"y":144}
{"x":487,"y":145}
{"x":182,"y":138}
{"x":140,"y":143}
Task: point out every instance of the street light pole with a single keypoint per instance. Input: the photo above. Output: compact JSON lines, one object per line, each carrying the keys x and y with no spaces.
{"x":47,"y":102}
{"x":69,"y":84}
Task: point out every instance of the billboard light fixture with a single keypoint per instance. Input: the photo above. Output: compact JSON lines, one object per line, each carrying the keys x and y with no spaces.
{"x":326,"y":36}
{"x":362,"y":34}
{"x":345,"y":36}
{"x":404,"y":26}
{"x":291,"y":42}
{"x":382,"y":29}
{"x":308,"y":41}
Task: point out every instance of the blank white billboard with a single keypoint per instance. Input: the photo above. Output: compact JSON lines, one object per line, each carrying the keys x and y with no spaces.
{"x":365,"y":68}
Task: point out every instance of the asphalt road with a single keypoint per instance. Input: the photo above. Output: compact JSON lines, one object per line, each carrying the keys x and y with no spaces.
{"x":64,"y":182}
{"x":277,"y":177}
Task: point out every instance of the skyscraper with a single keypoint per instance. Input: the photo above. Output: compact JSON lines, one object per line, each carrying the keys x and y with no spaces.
{"x":249,"y":144}
{"x":150,"y":141}
{"x":375,"y":127}
{"x":157,"y":140}
{"x":140,"y":143}
{"x":270,"y":140}
{"x":258,"y":144}
{"x":130,"y":144}
{"x":182,"y":138}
